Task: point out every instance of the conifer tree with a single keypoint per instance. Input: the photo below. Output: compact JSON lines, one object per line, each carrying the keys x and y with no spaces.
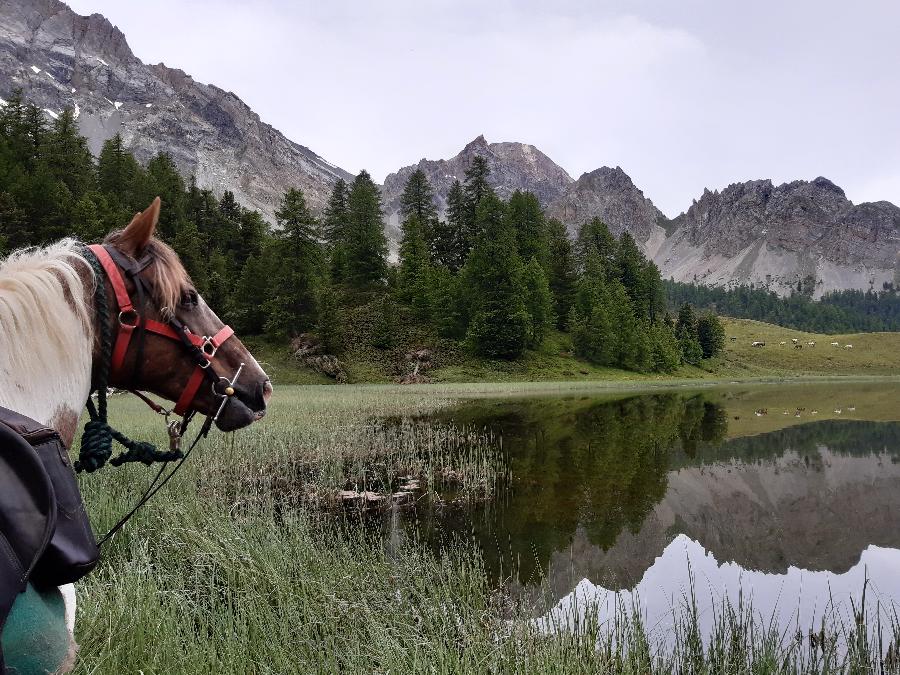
{"x":118,"y":175}
{"x":413,"y":274}
{"x":686,"y":329}
{"x":538,"y":303}
{"x":475,"y":189}
{"x":594,"y":334}
{"x":449,"y":313}
{"x":710,"y":335}
{"x":67,"y":155}
{"x":330,"y":326}
{"x":254,"y":232}
{"x":365,"y":243}
{"x":166,"y":182}
{"x":629,"y":265}
{"x":526,"y":218}
{"x":246,"y":311}
{"x":665,"y":349}
{"x":337,"y":213}
{"x":562,"y":275}
{"x":594,"y":235}
{"x":298,"y":268}
{"x":499,"y":322}
{"x":418,"y":199}
{"x":449,"y":243}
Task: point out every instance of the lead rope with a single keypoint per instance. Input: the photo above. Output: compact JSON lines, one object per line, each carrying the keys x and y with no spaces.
{"x":96,"y":441}
{"x":153,"y":488}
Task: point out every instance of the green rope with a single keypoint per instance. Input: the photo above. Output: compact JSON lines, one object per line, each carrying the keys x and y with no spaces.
{"x":98,"y":436}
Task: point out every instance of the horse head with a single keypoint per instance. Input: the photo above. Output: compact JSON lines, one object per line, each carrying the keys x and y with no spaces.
{"x":164,"y":360}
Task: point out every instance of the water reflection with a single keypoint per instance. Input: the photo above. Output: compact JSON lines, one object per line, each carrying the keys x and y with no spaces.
{"x":686,"y":574}
{"x":602,"y":490}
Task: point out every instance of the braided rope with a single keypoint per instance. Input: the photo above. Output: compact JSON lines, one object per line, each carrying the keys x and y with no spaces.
{"x":98,"y":436}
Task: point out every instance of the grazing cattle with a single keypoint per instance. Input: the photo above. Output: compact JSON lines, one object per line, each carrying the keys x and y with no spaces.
{"x":838,"y":411}
{"x":762,"y":411}
{"x":851,"y":408}
{"x":783,"y":343}
{"x":795,"y":340}
{"x":848,"y":346}
{"x":758,"y":343}
{"x":813,"y":412}
{"x":798,"y":346}
{"x":835,"y":344}
{"x":811,"y":343}
{"x":733,"y":338}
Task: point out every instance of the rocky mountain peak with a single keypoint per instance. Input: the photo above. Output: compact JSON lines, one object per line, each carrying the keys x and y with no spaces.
{"x":477,"y":146}
{"x":514,"y":166}
{"x":770,"y":235}
{"x":611,"y":195}
{"x":61,"y":59}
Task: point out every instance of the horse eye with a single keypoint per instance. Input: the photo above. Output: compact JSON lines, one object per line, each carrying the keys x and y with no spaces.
{"x":189,"y":299}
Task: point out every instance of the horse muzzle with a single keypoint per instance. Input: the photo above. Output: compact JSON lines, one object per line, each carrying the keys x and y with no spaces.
{"x":246,"y":406}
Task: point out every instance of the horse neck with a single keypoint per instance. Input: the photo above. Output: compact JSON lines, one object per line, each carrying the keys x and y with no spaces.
{"x":45,"y":367}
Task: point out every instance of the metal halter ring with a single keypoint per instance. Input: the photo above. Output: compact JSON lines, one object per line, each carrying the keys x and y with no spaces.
{"x":129,"y":318}
{"x":208,"y":348}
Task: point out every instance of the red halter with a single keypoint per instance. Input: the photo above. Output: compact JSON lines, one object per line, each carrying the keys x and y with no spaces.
{"x":130,"y":319}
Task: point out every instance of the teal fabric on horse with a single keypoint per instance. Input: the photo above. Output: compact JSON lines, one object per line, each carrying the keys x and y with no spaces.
{"x":35,"y":638}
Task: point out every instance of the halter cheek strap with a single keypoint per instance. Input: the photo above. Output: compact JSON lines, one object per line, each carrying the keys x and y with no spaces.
{"x":203,"y":349}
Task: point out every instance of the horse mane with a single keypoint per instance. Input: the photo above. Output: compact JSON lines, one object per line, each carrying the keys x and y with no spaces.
{"x":38,"y":287}
{"x":169,"y":278}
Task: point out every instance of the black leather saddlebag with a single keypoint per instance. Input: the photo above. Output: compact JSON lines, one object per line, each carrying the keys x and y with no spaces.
{"x":45,"y":535}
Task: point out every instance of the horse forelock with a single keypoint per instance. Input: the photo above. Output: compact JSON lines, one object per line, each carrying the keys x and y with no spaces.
{"x":169,"y":279}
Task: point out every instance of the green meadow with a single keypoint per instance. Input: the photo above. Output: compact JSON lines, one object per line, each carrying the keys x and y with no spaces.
{"x":249,"y":561}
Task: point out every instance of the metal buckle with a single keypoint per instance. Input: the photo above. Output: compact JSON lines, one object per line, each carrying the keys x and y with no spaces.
{"x":208,"y":348}
{"x":129,"y":318}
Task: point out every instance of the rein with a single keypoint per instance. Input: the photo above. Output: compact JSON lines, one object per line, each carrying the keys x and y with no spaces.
{"x":96,"y":442}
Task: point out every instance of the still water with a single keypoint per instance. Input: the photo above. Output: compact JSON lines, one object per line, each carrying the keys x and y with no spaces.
{"x":784,"y":496}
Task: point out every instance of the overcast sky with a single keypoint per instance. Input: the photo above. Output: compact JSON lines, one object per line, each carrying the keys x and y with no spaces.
{"x":682,"y":94}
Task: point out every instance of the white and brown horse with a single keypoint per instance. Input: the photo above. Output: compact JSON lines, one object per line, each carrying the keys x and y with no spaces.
{"x":50,"y":350}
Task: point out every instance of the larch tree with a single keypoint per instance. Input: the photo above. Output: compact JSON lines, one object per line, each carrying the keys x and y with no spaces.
{"x":297,"y":270}
{"x":562,"y":273}
{"x":526,"y":218}
{"x":448,"y":241}
{"x":365,"y":243}
{"x":499,"y":323}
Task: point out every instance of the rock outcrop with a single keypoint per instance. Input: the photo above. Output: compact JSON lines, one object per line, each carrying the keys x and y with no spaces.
{"x":514,"y":166}
{"x":777,"y":236}
{"x":60,"y":59}
{"x":610,"y":194}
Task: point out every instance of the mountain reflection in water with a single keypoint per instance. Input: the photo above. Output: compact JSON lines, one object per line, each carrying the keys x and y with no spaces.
{"x":618,"y":495}
{"x":685,"y":572}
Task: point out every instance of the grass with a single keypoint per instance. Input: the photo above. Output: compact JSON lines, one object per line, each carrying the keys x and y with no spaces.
{"x":872,"y":353}
{"x":236,"y":567}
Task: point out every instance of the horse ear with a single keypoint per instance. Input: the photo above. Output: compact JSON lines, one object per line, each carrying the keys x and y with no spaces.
{"x":140,"y":230}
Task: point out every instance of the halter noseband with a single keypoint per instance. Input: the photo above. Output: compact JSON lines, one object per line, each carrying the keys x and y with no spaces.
{"x":202,"y":349}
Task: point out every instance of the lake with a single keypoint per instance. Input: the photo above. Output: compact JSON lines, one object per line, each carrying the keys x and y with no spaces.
{"x":783,"y":497}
